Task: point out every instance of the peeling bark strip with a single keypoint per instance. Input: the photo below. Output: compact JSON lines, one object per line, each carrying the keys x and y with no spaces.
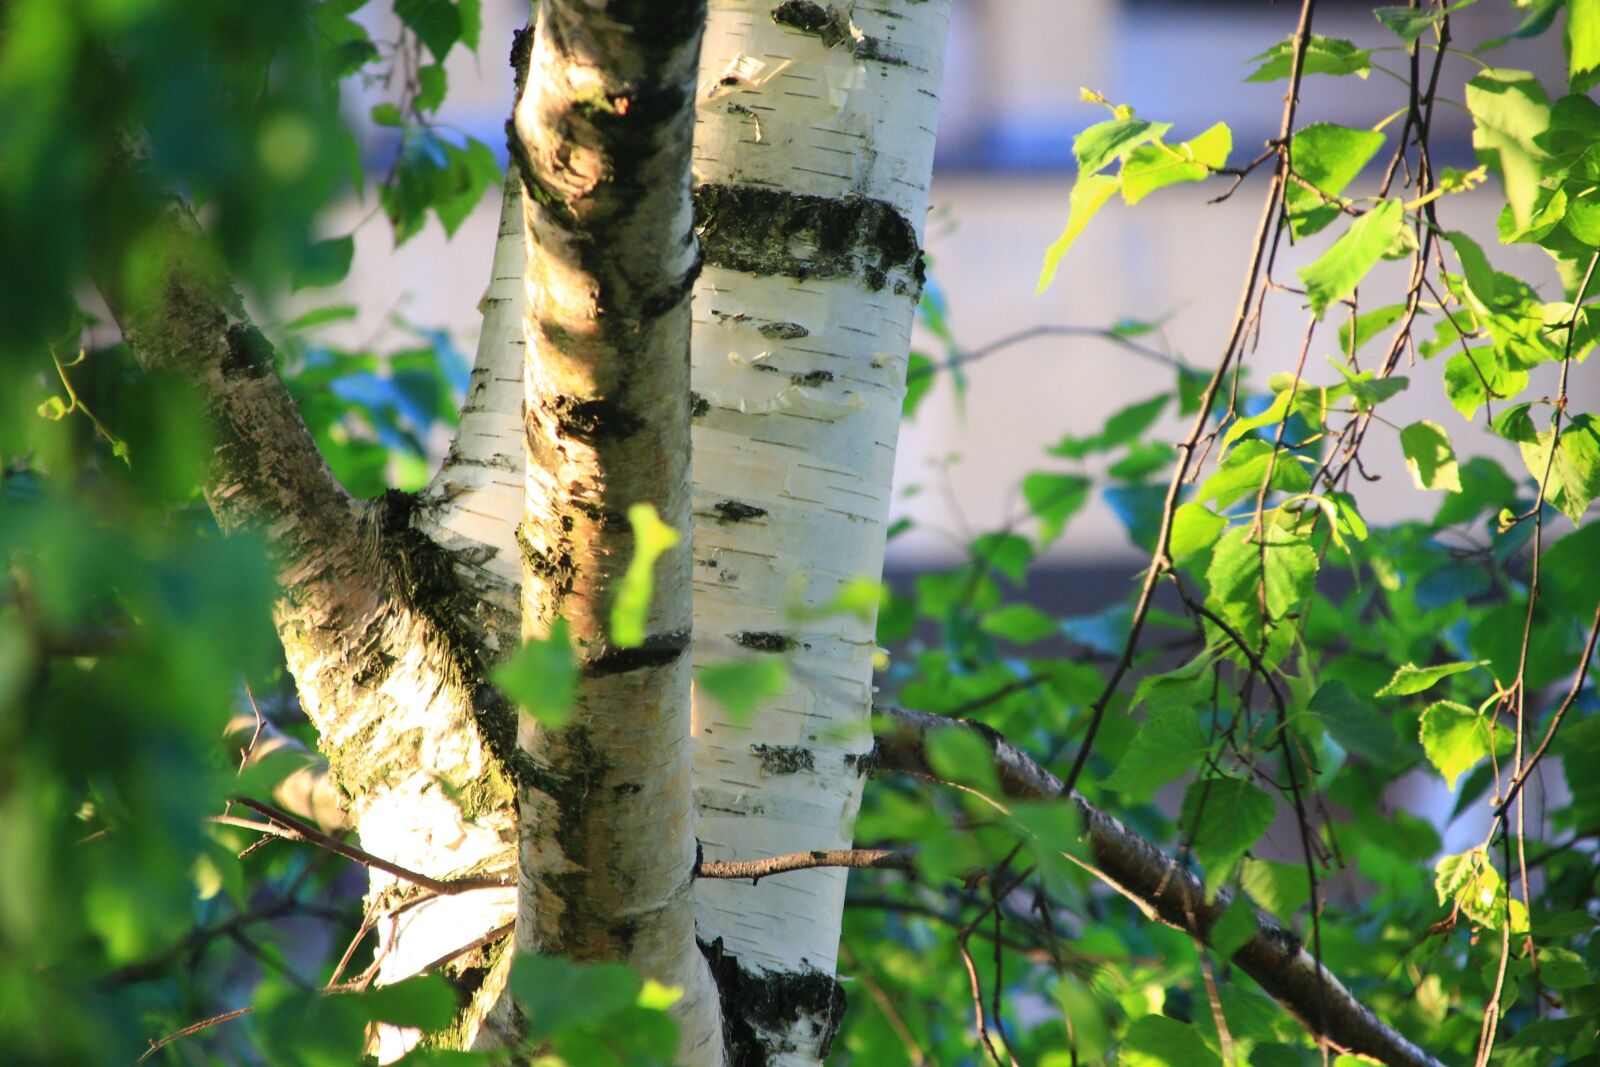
{"x":601,"y":141}
{"x":812,"y":158}
{"x":1168,"y":893}
{"x":769,"y":231}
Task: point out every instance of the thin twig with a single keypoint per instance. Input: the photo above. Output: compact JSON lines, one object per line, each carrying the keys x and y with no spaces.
{"x":875,"y":859}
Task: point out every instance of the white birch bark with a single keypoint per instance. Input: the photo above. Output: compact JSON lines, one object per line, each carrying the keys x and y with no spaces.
{"x":602,"y":144}
{"x":813,"y":153}
{"x":474,"y":503}
{"x":370,"y":620}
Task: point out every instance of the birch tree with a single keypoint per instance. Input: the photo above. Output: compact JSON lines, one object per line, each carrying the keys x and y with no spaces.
{"x":674,"y":456}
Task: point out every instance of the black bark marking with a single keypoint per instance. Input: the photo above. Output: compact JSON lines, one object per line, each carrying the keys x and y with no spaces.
{"x":812,"y":379}
{"x":657,"y":650}
{"x":757,"y":1007}
{"x":832,"y":26}
{"x":769,"y":232}
{"x":737,"y":511}
{"x":698,"y":406}
{"x":248,"y":353}
{"x":601,"y":417}
{"x":765,"y":641}
{"x":784,"y":759}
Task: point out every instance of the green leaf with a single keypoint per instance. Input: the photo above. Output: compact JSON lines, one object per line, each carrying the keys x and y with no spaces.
{"x":1485,"y":486}
{"x":1195,"y":527}
{"x":431,"y":86}
{"x":428,"y":1003}
{"x":1007,"y":553}
{"x":1583,"y":41}
{"x":1324,"y":55}
{"x":1053,"y":499}
{"x":1470,"y":378}
{"x":1223,"y":817}
{"x":542,"y":676}
{"x":963,"y":757}
{"x":1155,"y":166}
{"x":1121,"y":428}
{"x":919,"y":379}
{"x":1021,"y":623}
{"x":631,"y":607}
{"x":1157,"y":1041}
{"x":437,"y":23}
{"x":1369,"y":325}
{"x":1329,"y":157}
{"x":1338,"y":271}
{"x":1430,"y":457}
{"x":471,"y":22}
{"x":1410,"y":23}
{"x":1509,"y":112}
{"x":1355,"y":724}
{"x":1246,"y":467}
{"x":1281,"y":888}
{"x":326,"y":263}
{"x":1242,"y":568}
{"x":1367,"y":389}
{"x":1169,"y":743}
{"x":386,"y":114}
{"x":1482,"y":280}
{"x":1089,"y":194}
{"x":743,"y":686}
{"x":1234,"y":927}
{"x":1454,"y":737}
{"x":1100,"y":144}
{"x":321,"y":316}
{"x":557,"y":994}
{"x":1574,"y":471}
{"x":1413,"y":679}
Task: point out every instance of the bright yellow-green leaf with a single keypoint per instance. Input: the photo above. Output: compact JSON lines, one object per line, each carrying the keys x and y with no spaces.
{"x":1337,"y":272}
{"x":1454,"y":737}
{"x":1194,"y":527}
{"x":651,"y":537}
{"x":1089,"y":195}
{"x":1154,"y":166}
{"x":1509,"y":112}
{"x":1430,"y":457}
{"x":1413,"y":679}
{"x":1583,"y":39}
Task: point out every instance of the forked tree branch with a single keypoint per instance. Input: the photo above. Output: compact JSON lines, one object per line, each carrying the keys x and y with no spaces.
{"x":1168,"y":893}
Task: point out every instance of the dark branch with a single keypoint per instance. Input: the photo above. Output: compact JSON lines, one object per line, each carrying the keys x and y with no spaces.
{"x":1168,"y":893}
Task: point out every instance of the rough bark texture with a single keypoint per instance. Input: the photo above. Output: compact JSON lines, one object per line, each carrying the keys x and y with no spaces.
{"x":1169,"y":893}
{"x":813,"y":150}
{"x":601,"y":140}
{"x":370,"y":619}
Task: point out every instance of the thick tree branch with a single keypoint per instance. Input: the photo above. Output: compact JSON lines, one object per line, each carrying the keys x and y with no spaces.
{"x":186,"y":322}
{"x":1168,"y":893}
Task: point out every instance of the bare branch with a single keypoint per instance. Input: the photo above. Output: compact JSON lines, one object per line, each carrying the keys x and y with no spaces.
{"x":874,"y":859}
{"x":284,"y":825}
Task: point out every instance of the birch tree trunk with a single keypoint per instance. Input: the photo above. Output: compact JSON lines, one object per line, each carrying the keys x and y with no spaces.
{"x":813,"y":152}
{"x":376,"y":631}
{"x":602,"y":144}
